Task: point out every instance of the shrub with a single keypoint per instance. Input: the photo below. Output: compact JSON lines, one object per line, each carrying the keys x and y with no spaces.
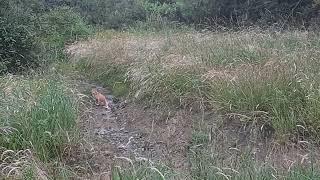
{"x":116,"y":14}
{"x":17,"y":42}
{"x":242,"y":11}
{"x":63,"y":25}
{"x":164,"y":9}
{"x":110,"y":13}
{"x":58,"y":27}
{"x":24,"y":25}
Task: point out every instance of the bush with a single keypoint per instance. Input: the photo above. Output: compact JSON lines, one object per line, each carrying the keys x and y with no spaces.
{"x":17,"y":42}
{"x":24,"y":25}
{"x":243,"y":11}
{"x":115,"y":13}
{"x":16,"y":47}
{"x":58,"y":27}
{"x":123,"y":13}
{"x":63,"y":25}
{"x":110,"y":13}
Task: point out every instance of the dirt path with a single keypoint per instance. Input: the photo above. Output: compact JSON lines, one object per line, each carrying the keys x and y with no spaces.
{"x":131,"y":131}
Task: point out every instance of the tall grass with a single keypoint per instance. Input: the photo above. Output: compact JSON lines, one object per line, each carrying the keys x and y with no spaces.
{"x":211,"y":160}
{"x":38,"y":113}
{"x":282,"y":87}
{"x":274,"y":92}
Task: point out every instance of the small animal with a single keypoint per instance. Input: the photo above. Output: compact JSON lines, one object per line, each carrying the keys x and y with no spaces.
{"x":100,"y":98}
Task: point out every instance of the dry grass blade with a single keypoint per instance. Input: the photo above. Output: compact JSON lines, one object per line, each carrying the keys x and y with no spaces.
{"x":13,"y":163}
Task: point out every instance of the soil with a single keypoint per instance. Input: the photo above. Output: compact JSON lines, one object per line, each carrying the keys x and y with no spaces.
{"x":130,"y":130}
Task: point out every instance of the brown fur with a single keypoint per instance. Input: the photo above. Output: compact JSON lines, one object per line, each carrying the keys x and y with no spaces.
{"x":100,"y":98}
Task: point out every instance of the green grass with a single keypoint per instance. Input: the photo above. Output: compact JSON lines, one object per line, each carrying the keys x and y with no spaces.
{"x":275,"y":93}
{"x":109,"y":75}
{"x":209,"y":161}
{"x":37,"y":112}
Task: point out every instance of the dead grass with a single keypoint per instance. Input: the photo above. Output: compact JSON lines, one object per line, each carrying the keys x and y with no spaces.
{"x":22,"y":165}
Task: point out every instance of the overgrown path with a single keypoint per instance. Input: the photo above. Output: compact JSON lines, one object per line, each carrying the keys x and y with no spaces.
{"x":130,"y":132}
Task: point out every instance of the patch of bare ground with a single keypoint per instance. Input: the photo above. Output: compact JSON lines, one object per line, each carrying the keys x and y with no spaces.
{"x":15,"y":163}
{"x":129,"y":131}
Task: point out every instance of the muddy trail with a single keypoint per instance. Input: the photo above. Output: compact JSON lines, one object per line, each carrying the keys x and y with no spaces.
{"x":131,"y":131}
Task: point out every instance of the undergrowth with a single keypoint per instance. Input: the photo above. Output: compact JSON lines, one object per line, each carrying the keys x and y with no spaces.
{"x":38,"y":113}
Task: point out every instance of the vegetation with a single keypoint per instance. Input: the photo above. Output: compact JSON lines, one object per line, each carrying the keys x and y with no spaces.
{"x":209,"y":160}
{"x":142,"y":170}
{"x":264,"y":78}
{"x":59,"y":27}
{"x":260,"y":79}
{"x":123,"y":13}
{"x":37,"y":113}
{"x":259,"y":70}
{"x":31,"y":37}
{"x":18,"y":44}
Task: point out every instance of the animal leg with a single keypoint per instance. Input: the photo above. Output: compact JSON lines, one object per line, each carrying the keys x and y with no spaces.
{"x":107,"y":105}
{"x":97,"y":102}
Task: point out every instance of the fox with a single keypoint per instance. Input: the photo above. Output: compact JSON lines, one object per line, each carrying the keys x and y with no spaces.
{"x":100,"y":99}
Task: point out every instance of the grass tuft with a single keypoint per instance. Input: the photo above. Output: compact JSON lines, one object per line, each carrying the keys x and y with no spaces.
{"x":38,"y":113}
{"x":209,"y":160}
{"x":141,"y":169}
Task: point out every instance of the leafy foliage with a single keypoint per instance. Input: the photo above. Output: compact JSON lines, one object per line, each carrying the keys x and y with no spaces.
{"x":24,"y":25}
{"x":63,"y":25}
{"x":236,"y":12}
{"x":121,"y":13}
{"x":17,"y":42}
{"x":110,"y":13}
